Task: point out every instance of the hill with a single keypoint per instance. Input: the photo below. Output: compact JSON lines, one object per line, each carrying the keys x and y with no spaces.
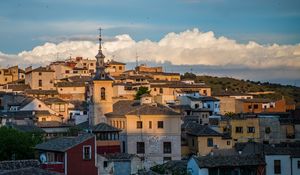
{"x":223,"y":84}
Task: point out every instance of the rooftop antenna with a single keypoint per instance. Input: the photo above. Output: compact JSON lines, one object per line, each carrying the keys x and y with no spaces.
{"x":136,"y":59}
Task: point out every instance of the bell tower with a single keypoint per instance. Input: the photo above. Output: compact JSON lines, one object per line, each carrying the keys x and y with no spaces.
{"x":101,"y":90}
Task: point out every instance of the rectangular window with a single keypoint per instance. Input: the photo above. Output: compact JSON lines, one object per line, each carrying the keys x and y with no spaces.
{"x":67,"y":71}
{"x":40,"y":73}
{"x":298,"y":164}
{"x":239,"y":129}
{"x":87,"y":152}
{"x":61,"y":108}
{"x":277,"y":167}
{"x":160,"y":124}
{"x":249,"y":106}
{"x":251,"y":129}
{"x":140,"y":147}
{"x":139,"y":124}
{"x":105,"y":164}
{"x":167,"y":148}
{"x":150,"y":124}
{"x":210,"y":142}
{"x":228,"y":142}
{"x":40,"y":83}
{"x":255,"y":106}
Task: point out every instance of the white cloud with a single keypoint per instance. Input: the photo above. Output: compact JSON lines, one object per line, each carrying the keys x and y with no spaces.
{"x":188,"y":47}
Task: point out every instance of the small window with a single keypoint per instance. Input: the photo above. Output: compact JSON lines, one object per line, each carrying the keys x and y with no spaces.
{"x":67,"y":71}
{"x":150,"y":124}
{"x":40,"y":83}
{"x":208,"y":105}
{"x":40,"y":73}
{"x":193,"y":142}
{"x":255,"y":106}
{"x":40,"y":106}
{"x":87,"y":154}
{"x":43,"y":119}
{"x":140,"y":147}
{"x":249,"y":106}
{"x":277,"y":167}
{"x":161,"y":90}
{"x":228,"y":142}
{"x":251,"y":129}
{"x":154,"y":89}
{"x":167,"y":148}
{"x":160,"y":124}
{"x":105,"y":164}
{"x":92,"y":64}
{"x":102,"y":93}
{"x":298,"y":164}
{"x":120,"y":67}
{"x":239,"y":129}
{"x":210,"y":142}
{"x":139,"y":124}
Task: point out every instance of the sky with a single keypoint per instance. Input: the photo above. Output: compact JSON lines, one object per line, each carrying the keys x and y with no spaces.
{"x":225,"y":34}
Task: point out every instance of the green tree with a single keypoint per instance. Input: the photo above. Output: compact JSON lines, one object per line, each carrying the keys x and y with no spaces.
{"x":17,"y":145}
{"x":189,"y":75}
{"x":142,"y":90}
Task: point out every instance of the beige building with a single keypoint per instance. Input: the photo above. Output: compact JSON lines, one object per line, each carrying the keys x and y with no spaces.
{"x":8,"y":75}
{"x":72,"y":91}
{"x":202,"y":139}
{"x":115,"y":68}
{"x":145,"y":68}
{"x":150,"y":130}
{"x":41,"y":78}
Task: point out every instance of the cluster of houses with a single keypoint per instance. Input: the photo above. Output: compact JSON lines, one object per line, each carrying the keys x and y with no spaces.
{"x":177,"y":124}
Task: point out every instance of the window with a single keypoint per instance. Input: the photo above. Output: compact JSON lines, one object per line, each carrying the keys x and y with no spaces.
{"x":120,"y":67}
{"x":40,"y":73}
{"x":251,"y":129}
{"x":298,"y":164}
{"x":61,"y":108}
{"x":210,"y":142}
{"x":255,"y":106}
{"x":139,"y":124}
{"x":40,"y":83}
{"x":102,"y":93}
{"x":208,"y":105}
{"x":239,"y":129}
{"x":196,"y":106}
{"x":204,"y":92}
{"x":167,"y":148}
{"x":160,"y":124}
{"x":249,"y":107}
{"x":43,"y":119}
{"x":105,"y":164}
{"x":277,"y":167}
{"x":92,"y":64}
{"x":228,"y":142}
{"x":154,"y":89}
{"x":67,"y":71}
{"x":150,"y":124}
{"x":140,"y":147}
{"x":87,"y":155}
{"x":161,"y":90}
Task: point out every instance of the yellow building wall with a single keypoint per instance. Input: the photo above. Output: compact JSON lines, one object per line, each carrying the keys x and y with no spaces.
{"x":245,"y":123}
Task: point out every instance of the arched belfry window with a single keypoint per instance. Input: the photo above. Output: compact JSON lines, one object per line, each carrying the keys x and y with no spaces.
{"x":102,"y":93}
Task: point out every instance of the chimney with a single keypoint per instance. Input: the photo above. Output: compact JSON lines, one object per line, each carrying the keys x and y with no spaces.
{"x":146,"y":99}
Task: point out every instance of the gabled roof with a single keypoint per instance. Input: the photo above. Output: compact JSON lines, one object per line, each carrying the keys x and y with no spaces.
{"x":40,"y":69}
{"x":53,"y":100}
{"x":63,"y":144}
{"x":131,"y":107}
{"x":41,"y":92}
{"x":199,"y":130}
{"x":229,"y":161}
{"x":103,"y":127}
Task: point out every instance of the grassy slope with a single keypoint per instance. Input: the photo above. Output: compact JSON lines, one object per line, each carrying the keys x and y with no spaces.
{"x":219,"y":84}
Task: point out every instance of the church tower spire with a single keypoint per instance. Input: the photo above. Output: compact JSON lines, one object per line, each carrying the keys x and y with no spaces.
{"x":100,"y":65}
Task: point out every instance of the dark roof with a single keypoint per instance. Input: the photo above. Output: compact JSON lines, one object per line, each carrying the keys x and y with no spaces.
{"x":199,"y":130}
{"x":17,"y":87}
{"x":27,"y":128}
{"x":229,"y":161}
{"x":179,"y":84}
{"x":231,"y":94}
{"x":54,"y":100}
{"x":41,"y":92}
{"x":119,"y":156}
{"x":106,"y":77}
{"x":62,"y":144}
{"x":80,"y":78}
{"x":103,"y":127}
{"x":256,"y":100}
{"x":70,"y":84}
{"x":29,"y":171}
{"x":131,"y":107}
{"x":204,"y":98}
{"x":52,"y":124}
{"x":41,"y":69}
{"x":22,"y":114}
{"x":83,"y":125}
{"x":116,"y":62}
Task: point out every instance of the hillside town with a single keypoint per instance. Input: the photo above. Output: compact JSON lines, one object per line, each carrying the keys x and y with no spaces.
{"x":96,"y":117}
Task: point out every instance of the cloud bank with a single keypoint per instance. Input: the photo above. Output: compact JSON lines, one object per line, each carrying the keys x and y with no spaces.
{"x":189,"y":47}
